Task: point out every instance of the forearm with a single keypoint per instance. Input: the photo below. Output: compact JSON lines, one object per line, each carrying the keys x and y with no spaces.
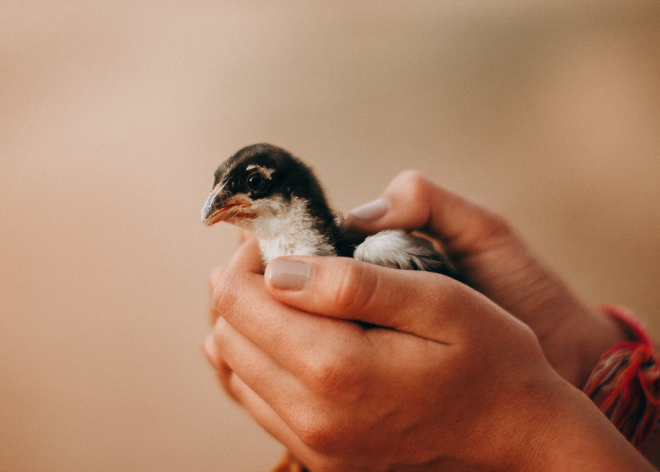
{"x":582,"y":438}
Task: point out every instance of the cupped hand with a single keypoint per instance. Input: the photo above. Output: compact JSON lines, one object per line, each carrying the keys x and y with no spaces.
{"x":363,"y":368}
{"x":494,"y":260}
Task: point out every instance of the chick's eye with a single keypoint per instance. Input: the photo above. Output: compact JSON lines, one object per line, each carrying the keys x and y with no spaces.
{"x":255,"y":181}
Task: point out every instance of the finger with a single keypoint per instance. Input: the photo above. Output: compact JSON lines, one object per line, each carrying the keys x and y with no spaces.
{"x":247,"y":259}
{"x":420,"y":303}
{"x":214,"y":357}
{"x":223,"y":370}
{"x":256,"y":368}
{"x":211,"y":352}
{"x":214,"y":278}
{"x":268,"y":419}
{"x":413,"y":202}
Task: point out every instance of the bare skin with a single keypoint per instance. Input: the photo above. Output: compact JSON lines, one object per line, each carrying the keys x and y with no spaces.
{"x":443,"y":377}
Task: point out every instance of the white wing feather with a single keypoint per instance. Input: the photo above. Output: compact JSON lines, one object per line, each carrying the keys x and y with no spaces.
{"x":399,"y":249}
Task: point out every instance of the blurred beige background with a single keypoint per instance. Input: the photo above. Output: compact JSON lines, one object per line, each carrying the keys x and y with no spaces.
{"x":114,"y":114}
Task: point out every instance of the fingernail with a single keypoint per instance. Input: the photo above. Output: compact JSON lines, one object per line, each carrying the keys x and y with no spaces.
{"x":371,"y":211}
{"x":288,"y":275}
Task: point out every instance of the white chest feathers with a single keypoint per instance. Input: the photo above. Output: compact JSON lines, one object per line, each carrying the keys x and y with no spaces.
{"x":285,"y":229}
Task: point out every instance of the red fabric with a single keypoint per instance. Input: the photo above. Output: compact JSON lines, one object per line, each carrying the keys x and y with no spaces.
{"x":625,"y":384}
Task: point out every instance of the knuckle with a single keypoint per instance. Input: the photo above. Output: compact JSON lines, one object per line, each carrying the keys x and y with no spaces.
{"x":219,"y":338}
{"x":316,"y":429}
{"x":215,"y":276}
{"x":224,"y":297}
{"x":354,"y":291}
{"x":329,"y":375}
{"x":213,"y":313}
{"x":493,"y":228}
{"x":418,"y":184}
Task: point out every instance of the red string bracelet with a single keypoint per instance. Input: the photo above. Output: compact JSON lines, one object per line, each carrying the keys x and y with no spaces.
{"x":625,"y":384}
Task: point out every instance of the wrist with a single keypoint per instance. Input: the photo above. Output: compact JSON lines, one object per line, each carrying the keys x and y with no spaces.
{"x":565,"y":431}
{"x":598,"y":334}
{"x":575,"y":347}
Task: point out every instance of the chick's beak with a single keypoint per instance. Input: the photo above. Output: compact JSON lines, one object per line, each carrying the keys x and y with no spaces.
{"x":211,"y":205}
{"x":221,"y":206}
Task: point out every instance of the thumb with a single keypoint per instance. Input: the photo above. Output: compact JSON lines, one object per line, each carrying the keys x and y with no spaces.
{"x":413,"y":202}
{"x":420,"y":303}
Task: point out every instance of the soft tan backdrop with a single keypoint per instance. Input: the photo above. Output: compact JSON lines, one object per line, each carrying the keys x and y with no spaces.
{"x":114,"y":114}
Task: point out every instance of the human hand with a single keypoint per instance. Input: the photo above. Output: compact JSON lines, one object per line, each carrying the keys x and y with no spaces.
{"x":436,"y":377}
{"x":496,"y":261}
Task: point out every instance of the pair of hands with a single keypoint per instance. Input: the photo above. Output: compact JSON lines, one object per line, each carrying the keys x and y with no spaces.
{"x":438,"y":376}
